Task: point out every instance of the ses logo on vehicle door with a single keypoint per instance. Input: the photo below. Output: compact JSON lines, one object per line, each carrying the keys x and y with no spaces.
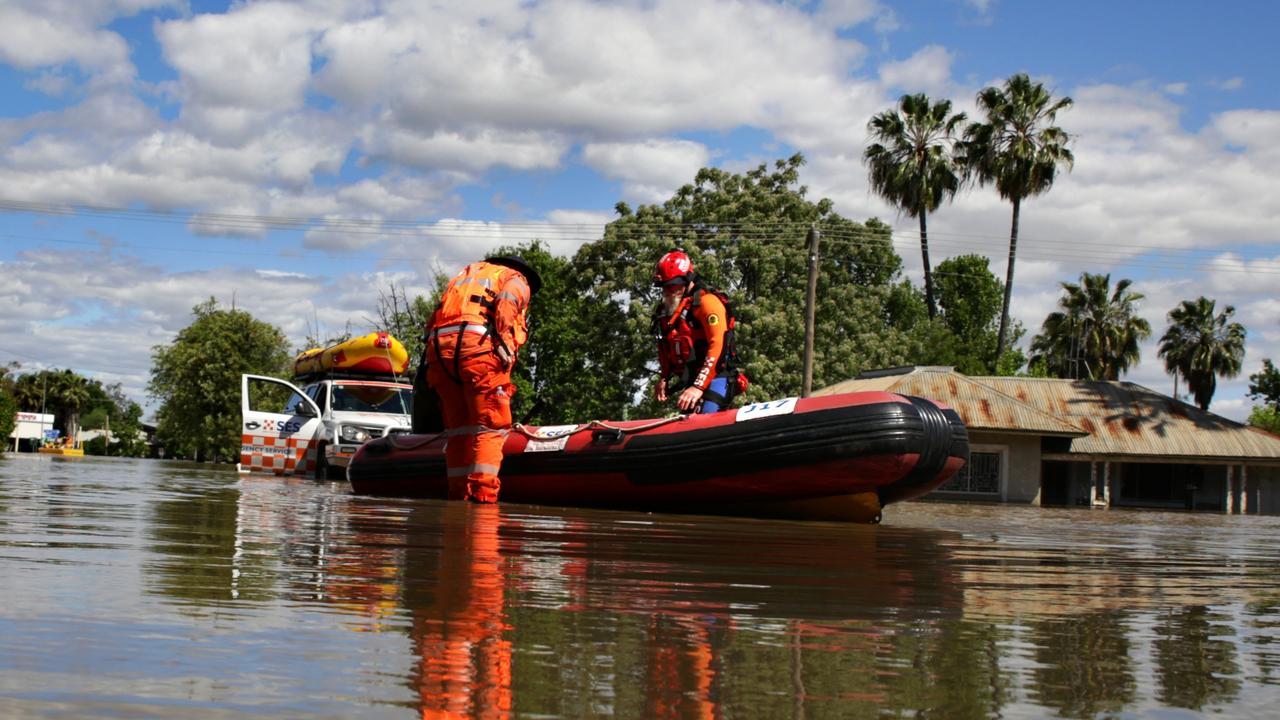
{"x":270,"y":425}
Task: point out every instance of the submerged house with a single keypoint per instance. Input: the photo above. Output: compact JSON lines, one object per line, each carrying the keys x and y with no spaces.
{"x":1082,"y":442}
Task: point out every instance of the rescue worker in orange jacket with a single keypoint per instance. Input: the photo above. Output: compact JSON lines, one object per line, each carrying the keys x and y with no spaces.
{"x":472,"y":342}
{"x":695,"y":330}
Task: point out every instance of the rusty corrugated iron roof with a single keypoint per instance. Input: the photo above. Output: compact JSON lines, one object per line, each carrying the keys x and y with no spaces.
{"x":1105,"y":418}
{"x":980,"y":406}
{"x":1123,"y":418}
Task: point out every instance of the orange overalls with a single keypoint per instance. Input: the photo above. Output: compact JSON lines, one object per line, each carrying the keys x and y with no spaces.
{"x":472,"y":342}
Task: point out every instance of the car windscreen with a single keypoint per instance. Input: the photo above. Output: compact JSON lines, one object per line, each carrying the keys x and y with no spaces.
{"x":351,"y":397}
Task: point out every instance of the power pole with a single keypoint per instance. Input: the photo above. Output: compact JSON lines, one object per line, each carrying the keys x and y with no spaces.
{"x":811,"y":299}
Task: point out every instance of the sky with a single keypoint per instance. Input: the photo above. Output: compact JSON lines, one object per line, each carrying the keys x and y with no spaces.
{"x":295,"y":159}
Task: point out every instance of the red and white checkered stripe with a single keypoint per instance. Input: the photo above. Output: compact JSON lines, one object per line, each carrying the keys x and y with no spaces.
{"x":282,"y":456}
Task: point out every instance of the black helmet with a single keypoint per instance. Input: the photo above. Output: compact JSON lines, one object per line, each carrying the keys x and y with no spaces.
{"x":524,"y":268}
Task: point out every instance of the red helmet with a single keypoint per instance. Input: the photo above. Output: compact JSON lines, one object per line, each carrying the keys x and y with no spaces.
{"x":674,"y":267}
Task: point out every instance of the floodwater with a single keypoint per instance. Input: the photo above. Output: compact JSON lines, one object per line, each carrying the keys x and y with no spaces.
{"x":160,"y":589}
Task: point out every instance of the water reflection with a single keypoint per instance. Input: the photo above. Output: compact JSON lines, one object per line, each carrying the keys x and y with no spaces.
{"x":290,"y":597}
{"x":1196,"y":662}
{"x":454,"y":581}
{"x":1085,"y":667}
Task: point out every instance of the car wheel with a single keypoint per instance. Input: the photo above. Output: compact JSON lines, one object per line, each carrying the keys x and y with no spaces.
{"x":323,"y":470}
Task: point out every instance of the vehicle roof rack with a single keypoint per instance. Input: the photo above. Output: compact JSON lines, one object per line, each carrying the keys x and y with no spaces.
{"x":340,"y":375}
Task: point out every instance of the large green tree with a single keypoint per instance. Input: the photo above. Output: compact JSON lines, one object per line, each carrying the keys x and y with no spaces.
{"x":969,"y":295}
{"x":197,"y":379}
{"x":1200,"y":345}
{"x":746,"y":234}
{"x":1019,"y":150}
{"x":910,"y":164}
{"x":1095,"y":333}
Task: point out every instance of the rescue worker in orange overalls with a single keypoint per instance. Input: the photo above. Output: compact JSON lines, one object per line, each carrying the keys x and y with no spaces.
{"x":472,"y":341}
{"x":695,"y":330}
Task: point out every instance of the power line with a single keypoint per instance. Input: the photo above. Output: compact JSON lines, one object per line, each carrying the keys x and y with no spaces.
{"x":467,"y":229}
{"x":837,"y":237}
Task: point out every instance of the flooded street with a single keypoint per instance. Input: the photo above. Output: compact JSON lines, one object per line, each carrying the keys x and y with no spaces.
{"x":158,"y":589}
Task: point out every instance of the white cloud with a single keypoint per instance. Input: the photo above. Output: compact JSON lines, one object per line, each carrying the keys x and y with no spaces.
{"x":35,"y":34}
{"x":242,"y":69}
{"x":847,"y":13}
{"x":1178,"y":88}
{"x":473,"y":150}
{"x":1230,"y":84}
{"x":927,"y":71}
{"x":50,"y":83}
{"x":650,"y":170}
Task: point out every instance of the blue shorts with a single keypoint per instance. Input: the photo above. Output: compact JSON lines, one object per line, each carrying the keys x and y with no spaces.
{"x":718,"y":385}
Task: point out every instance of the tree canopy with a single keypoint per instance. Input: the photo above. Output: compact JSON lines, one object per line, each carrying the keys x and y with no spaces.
{"x":969,"y":296}
{"x":1200,"y":345}
{"x":197,"y":379}
{"x":1095,"y":333}
{"x":746,"y":234}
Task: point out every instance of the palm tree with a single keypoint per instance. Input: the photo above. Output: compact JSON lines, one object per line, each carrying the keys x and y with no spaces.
{"x":69,"y":392}
{"x":1018,"y":149}
{"x":1200,"y":346}
{"x":1096,"y":334}
{"x":911,"y":164}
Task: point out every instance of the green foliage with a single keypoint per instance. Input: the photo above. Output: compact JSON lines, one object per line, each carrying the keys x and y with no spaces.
{"x":564,"y":374}
{"x":969,"y":295}
{"x":110,"y":410}
{"x":911,"y":164}
{"x":746,"y":234}
{"x":1200,"y":346}
{"x":1018,"y":149}
{"x":1266,"y":417}
{"x":1265,"y":385}
{"x":8,"y":406}
{"x":1096,"y":332}
{"x":197,"y":379}
{"x":78,"y":402}
{"x":62,"y":393}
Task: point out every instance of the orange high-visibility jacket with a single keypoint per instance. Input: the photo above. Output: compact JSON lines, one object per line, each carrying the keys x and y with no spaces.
{"x":486,"y":305}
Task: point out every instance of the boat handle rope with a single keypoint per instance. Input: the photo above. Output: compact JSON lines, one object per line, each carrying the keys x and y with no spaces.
{"x":596,"y":424}
{"x":409,"y":442}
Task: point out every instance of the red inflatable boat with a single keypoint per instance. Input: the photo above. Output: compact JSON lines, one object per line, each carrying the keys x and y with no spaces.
{"x":830,"y":457}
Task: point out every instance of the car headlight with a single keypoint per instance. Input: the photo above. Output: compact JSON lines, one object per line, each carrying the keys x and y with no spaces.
{"x":355,"y":434}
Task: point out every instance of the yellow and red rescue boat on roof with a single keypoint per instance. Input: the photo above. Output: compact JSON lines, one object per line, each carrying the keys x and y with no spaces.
{"x":377,"y":353}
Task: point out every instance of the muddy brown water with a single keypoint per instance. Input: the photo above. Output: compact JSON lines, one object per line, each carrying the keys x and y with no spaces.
{"x":142,"y":588}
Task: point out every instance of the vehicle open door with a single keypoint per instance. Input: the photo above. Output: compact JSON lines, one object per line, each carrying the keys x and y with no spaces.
{"x":280,"y":427}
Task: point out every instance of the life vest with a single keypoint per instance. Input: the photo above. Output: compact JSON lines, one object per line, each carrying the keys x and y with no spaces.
{"x":682,"y":341}
{"x":468,"y":307}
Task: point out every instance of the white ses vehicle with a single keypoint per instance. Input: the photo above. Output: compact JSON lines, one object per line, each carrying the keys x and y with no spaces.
{"x":316,"y":429}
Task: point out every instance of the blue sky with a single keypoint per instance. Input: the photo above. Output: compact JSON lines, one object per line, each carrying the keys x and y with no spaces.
{"x":436,"y":133}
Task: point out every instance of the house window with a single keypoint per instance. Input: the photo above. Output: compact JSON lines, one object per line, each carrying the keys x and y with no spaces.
{"x":981,"y":475}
